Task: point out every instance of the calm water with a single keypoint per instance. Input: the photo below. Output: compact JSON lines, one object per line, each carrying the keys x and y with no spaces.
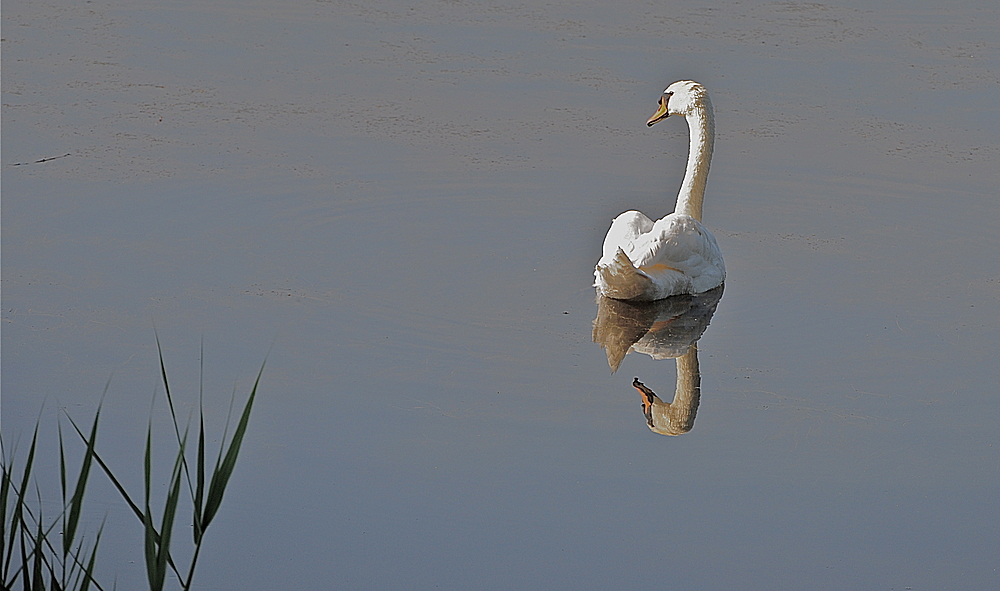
{"x":407,"y":199}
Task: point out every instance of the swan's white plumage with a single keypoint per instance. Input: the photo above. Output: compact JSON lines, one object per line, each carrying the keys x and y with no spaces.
{"x":645,"y":260}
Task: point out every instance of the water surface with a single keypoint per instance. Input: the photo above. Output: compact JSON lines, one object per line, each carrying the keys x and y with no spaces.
{"x":407,"y":199}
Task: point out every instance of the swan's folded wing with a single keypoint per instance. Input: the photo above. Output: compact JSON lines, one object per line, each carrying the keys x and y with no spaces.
{"x":625,"y":228}
{"x":620,"y":279}
{"x":680,"y":243}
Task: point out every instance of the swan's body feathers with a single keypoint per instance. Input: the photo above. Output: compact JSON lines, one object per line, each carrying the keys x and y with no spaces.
{"x":643,"y":260}
{"x":621,"y":280}
{"x":649,"y":261}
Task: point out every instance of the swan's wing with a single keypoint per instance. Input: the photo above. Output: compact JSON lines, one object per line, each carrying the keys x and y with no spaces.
{"x":625,"y":228}
{"x":679,"y":243}
{"x":621,"y":280}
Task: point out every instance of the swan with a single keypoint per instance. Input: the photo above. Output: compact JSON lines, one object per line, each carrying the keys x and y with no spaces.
{"x":645,"y":260}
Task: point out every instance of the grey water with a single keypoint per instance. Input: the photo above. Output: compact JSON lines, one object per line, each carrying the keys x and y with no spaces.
{"x":404,"y":201}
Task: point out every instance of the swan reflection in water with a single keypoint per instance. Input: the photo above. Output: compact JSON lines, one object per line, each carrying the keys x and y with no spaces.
{"x":664,"y":329}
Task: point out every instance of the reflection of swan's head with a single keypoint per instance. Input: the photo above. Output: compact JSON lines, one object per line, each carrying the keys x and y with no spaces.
{"x":680,"y":98}
{"x":676,"y":417}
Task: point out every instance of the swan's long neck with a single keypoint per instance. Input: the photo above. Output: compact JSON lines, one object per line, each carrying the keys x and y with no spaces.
{"x":701,"y":122}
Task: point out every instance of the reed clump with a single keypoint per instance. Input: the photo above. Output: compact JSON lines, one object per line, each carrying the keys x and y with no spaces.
{"x":33,"y":558}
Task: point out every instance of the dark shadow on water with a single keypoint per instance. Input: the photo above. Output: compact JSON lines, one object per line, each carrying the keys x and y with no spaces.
{"x":665,"y":329}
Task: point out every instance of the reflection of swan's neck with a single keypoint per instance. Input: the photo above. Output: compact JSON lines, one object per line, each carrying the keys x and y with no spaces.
{"x":677,"y":416}
{"x":701,"y":122}
{"x":688,"y":391}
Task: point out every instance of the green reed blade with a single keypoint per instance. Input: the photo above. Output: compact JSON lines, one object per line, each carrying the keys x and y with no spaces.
{"x":23,"y":569}
{"x":19,"y":508}
{"x":169,"y":512}
{"x":222,"y":472}
{"x":166,"y":387}
{"x":62,"y":484}
{"x":78,"y":571}
{"x":5,"y":486}
{"x":199,"y":496}
{"x":76,"y":502}
{"x":36,"y":573}
{"x":54,"y":581}
{"x":150,"y":538}
{"x":17,"y":517}
{"x":62,"y":466}
{"x":173,"y":414}
{"x":108,"y":473}
{"x":88,"y":572}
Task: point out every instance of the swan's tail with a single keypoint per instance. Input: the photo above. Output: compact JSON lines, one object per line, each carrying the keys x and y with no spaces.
{"x":621,"y":280}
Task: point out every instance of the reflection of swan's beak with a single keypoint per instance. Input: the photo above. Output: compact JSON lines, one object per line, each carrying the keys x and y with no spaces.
{"x":660,"y":113}
{"x":648,"y":397}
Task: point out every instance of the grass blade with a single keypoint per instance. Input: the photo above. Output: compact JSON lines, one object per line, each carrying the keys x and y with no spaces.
{"x":110,"y":475}
{"x":25,"y":577}
{"x":222,"y":472}
{"x":38,"y":583}
{"x":199,"y":527}
{"x":62,"y":488}
{"x":88,"y":572}
{"x":173,"y":414}
{"x":166,"y":388}
{"x":199,"y":495}
{"x":76,"y":502}
{"x":150,"y":538}
{"x":5,"y":487}
{"x":169,"y":512}
{"x":53,"y":581}
{"x":62,"y":467}
{"x":17,"y":517}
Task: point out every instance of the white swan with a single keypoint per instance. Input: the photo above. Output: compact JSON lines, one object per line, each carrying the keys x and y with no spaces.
{"x":645,"y":260}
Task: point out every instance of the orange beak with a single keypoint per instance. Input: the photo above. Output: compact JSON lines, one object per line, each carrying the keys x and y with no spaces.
{"x":660,"y":113}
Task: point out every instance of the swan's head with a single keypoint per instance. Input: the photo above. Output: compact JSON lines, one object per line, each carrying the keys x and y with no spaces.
{"x":680,"y":98}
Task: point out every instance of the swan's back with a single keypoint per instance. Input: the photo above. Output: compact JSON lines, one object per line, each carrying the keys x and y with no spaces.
{"x":682,"y":243}
{"x":648,"y":261}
